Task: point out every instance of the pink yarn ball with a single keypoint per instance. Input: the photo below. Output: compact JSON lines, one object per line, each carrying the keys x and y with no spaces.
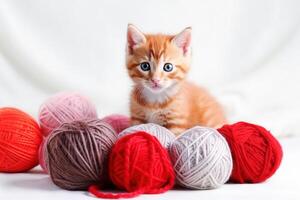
{"x":42,"y":157}
{"x":118,"y":122}
{"x":64,"y":107}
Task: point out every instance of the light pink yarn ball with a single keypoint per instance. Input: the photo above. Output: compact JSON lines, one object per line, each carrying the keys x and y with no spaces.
{"x":118,"y":122}
{"x":41,"y":156}
{"x":64,"y":107}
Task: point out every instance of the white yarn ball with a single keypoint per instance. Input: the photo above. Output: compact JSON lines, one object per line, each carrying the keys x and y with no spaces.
{"x":165,"y":136}
{"x":201,"y":158}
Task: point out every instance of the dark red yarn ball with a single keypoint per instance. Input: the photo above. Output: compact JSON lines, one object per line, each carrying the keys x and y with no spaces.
{"x":256,"y":153}
{"x":138,"y":164}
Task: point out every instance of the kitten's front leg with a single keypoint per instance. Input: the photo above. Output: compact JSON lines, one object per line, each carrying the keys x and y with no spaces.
{"x":176,"y":123}
{"x":177,"y":131}
{"x":138,"y":118}
{"x":136,"y":121}
{"x":137,"y":113}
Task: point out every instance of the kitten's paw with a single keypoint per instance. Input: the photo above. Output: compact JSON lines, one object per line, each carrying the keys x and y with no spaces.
{"x":134,"y":122}
{"x":177,"y":131}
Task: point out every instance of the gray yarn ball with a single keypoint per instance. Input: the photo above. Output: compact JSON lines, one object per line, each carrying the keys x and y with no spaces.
{"x":201,"y":158}
{"x":165,"y":136}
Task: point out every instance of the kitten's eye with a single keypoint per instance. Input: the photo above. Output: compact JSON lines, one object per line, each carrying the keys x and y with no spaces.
{"x":168,"y":67}
{"x":145,"y":66}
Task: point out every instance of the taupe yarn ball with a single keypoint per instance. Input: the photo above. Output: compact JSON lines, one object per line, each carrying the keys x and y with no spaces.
{"x":201,"y":158}
{"x":76,"y":154}
{"x":163,"y":135}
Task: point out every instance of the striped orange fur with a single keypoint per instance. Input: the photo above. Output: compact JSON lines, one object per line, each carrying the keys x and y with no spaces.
{"x":158,"y":65}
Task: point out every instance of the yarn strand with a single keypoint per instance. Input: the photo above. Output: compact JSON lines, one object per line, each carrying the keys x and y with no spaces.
{"x":95,"y":190}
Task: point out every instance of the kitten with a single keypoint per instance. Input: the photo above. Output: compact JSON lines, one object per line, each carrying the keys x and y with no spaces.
{"x":158,"y":65}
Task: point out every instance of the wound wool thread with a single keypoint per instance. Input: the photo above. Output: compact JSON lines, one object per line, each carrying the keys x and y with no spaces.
{"x":201,"y":158}
{"x":64,"y":107}
{"x":76,"y":154}
{"x":138,"y":164}
{"x":118,"y":122}
{"x":20,"y":138}
{"x":41,"y":156}
{"x":255,"y":151}
{"x":165,"y":136}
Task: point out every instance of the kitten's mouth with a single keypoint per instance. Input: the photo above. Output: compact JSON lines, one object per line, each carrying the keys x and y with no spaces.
{"x":155,"y":87}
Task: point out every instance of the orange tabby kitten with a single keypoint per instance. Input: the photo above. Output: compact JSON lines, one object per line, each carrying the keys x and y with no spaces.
{"x":158,"y":65}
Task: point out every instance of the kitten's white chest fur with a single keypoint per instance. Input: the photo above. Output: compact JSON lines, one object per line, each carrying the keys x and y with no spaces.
{"x":159,"y":97}
{"x":159,"y":115}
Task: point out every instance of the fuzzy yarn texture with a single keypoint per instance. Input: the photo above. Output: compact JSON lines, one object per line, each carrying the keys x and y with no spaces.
{"x":138,"y":164}
{"x":42,"y":156}
{"x":118,"y":122}
{"x":201,"y":158}
{"x":76,"y":154}
{"x":20,"y":138}
{"x":256,"y":153}
{"x":64,"y":107}
{"x":165,"y":136}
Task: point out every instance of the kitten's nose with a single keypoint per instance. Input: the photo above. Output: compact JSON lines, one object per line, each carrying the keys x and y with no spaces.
{"x":155,"y":81}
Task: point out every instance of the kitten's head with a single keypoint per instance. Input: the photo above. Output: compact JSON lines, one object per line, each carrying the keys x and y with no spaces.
{"x":158,"y":62}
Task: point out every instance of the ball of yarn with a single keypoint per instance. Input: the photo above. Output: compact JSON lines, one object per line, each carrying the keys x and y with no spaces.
{"x":64,"y":107}
{"x":20,"y":138}
{"x":138,"y":164}
{"x":165,"y":136}
{"x":42,"y":156}
{"x":201,"y":158}
{"x":118,"y":122}
{"x":76,"y":153}
{"x":255,"y":152}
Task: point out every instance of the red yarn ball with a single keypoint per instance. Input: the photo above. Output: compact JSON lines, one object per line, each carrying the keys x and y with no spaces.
{"x":20,"y":138}
{"x":255,"y":152}
{"x":138,"y":164}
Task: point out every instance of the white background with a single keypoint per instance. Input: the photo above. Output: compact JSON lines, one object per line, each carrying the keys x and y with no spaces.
{"x":246,"y":52}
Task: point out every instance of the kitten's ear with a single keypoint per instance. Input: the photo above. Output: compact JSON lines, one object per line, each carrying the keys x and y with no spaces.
{"x":134,"y":37}
{"x":183,"y":39}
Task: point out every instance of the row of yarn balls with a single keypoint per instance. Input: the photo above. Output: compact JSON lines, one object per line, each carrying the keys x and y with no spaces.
{"x":82,"y":152}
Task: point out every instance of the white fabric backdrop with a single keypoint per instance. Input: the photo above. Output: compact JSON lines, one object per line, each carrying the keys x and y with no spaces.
{"x":245,"y":52}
